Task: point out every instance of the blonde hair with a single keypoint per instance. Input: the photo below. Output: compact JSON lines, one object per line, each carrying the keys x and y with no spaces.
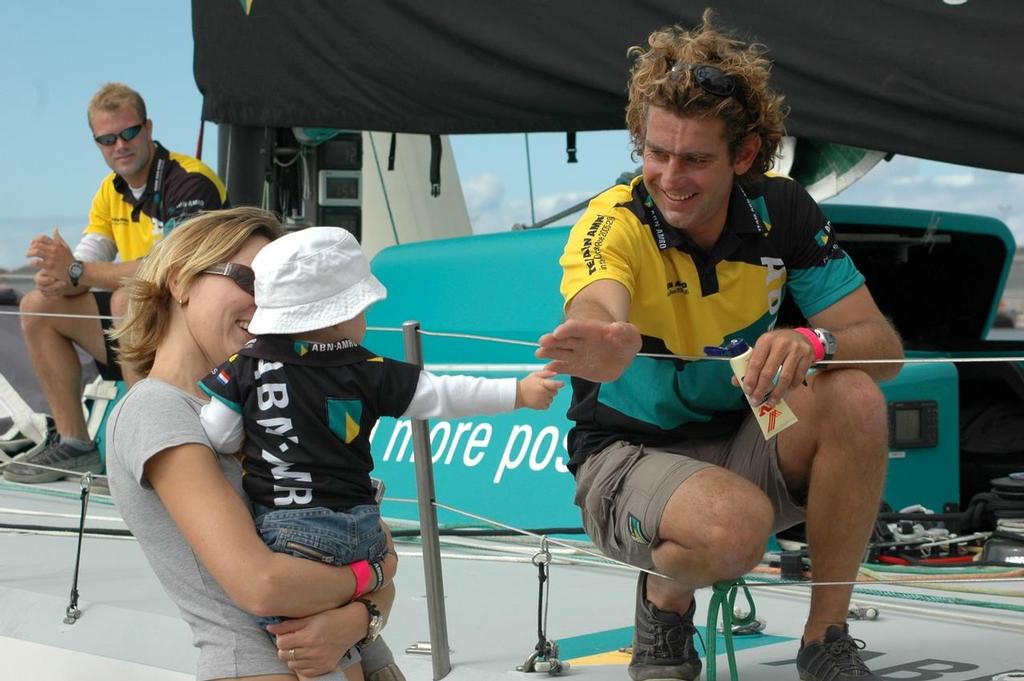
{"x":114,"y":97}
{"x":200,"y":242}
{"x":752,"y":109}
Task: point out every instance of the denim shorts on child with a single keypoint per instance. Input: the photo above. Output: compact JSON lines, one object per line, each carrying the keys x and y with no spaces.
{"x":326,"y":536}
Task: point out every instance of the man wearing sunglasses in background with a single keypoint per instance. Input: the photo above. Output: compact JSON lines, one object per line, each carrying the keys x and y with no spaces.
{"x":149,"y":191}
{"x":672,"y":471}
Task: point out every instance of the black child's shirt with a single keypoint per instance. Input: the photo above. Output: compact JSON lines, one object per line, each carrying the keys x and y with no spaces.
{"x":308,"y":409}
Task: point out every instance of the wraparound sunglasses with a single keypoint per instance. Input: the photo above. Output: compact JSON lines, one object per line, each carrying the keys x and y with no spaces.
{"x":128,"y":134}
{"x":240,"y":274}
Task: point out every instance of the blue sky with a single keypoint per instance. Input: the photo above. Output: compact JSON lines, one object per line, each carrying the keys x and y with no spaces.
{"x":54,"y":55}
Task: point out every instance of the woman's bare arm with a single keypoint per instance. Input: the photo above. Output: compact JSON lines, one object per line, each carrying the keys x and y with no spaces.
{"x":217,"y":524}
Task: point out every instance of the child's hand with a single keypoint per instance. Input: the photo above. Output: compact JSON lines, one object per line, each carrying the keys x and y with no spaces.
{"x":537,"y":390}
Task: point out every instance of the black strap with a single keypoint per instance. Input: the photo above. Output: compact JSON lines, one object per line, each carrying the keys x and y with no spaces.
{"x":435,"y":165}
{"x":570,"y":146}
{"x":72,"y":613}
{"x":391,"y":152}
{"x":542,"y":639}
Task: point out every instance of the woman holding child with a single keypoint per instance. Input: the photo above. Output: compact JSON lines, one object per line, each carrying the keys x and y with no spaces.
{"x":188,"y":311}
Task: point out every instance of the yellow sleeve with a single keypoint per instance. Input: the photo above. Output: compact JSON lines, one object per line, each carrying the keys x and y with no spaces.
{"x":602,"y":245}
{"x":99,"y":212}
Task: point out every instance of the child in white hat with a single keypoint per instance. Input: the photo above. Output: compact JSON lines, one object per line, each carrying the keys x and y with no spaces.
{"x":306,"y":396}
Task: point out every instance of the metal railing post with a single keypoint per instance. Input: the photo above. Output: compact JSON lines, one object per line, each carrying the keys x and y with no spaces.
{"x":428,"y":521}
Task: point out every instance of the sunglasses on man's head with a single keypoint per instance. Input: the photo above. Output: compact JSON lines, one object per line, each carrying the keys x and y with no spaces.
{"x":711,"y":79}
{"x":128,"y":134}
{"x":240,"y":274}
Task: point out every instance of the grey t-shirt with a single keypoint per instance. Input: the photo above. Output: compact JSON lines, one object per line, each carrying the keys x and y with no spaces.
{"x":152,"y":417}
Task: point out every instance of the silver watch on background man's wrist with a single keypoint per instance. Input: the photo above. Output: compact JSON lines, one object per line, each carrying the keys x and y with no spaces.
{"x":376,"y":621}
{"x":828,"y":341}
{"x":75,"y":270}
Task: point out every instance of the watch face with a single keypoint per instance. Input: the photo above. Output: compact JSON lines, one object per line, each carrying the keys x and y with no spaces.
{"x":828,"y":341}
{"x":75,"y":271}
{"x":376,"y":621}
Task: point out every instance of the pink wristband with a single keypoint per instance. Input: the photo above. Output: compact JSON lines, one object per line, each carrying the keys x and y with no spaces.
{"x":819,"y":349}
{"x":362,"y":572}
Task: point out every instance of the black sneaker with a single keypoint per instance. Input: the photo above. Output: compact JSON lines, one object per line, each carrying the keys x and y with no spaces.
{"x":53,"y":454}
{"x":662,"y":642}
{"x":837,"y":658}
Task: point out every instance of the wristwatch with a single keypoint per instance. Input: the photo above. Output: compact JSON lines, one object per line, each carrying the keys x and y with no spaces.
{"x":828,"y":341}
{"x":376,"y":622}
{"x":75,"y":270}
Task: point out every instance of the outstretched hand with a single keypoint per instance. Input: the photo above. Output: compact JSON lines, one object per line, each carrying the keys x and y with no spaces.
{"x":538,"y":390}
{"x":590,"y":349}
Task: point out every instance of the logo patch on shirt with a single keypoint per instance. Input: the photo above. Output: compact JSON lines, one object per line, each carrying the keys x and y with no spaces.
{"x":636,"y":531}
{"x":301,"y":348}
{"x":821,"y":238}
{"x":677,"y":287}
{"x":223,"y":377}
{"x":343,"y":418}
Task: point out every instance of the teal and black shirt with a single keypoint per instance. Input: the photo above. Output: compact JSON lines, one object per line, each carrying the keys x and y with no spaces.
{"x":308,"y":410}
{"x":776,"y":242}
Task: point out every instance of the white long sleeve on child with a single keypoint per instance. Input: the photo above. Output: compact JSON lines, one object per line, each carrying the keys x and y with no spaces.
{"x":452,"y":397}
{"x":447,"y":397}
{"x":223,"y":425}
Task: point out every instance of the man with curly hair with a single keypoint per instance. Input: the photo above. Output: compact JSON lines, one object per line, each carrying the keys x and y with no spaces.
{"x":673,"y":474}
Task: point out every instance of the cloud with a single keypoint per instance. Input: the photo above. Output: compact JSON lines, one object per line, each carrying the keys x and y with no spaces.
{"x":958,"y":181}
{"x":483,"y":193}
{"x":490,"y":211}
{"x":912,"y":183}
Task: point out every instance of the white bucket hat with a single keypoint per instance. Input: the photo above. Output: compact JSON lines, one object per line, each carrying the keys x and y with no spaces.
{"x":311,"y":279}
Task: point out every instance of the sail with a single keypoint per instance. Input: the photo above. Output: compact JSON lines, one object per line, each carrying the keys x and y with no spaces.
{"x":916,"y":77}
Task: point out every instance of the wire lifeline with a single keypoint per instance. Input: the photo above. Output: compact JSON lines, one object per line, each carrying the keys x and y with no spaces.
{"x":762,"y":583}
{"x":497,"y":523}
{"x":69,"y":473}
{"x":651,"y":355}
{"x":57,"y":314}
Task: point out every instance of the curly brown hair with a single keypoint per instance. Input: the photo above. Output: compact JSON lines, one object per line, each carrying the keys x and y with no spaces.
{"x":752,"y":109}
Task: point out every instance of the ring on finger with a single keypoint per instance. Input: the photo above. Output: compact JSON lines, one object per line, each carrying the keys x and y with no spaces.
{"x":291,"y":654}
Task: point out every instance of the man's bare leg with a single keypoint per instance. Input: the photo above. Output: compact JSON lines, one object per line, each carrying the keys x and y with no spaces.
{"x":53,"y":356}
{"x":837,"y":452}
{"x":715,"y":526}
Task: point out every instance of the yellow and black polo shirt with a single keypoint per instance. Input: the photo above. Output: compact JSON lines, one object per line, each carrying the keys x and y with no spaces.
{"x":776,"y":240}
{"x":178,"y":186}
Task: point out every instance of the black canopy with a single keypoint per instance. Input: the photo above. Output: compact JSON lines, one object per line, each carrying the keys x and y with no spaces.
{"x":917,"y":77}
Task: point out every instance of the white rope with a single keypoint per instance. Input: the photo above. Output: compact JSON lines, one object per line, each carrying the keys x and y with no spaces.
{"x":64,"y":533}
{"x":902,"y":582}
{"x":470,"y":336}
{"x":23,"y":462}
{"x":760,"y":585}
{"x":652,"y":355}
{"x":67,"y":315}
{"x":534,"y":535}
{"x":47,"y":514}
{"x":945,"y":614}
{"x":704,"y":358}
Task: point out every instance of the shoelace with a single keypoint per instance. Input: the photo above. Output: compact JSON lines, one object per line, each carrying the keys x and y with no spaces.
{"x":848,"y":648}
{"x":663,"y":636}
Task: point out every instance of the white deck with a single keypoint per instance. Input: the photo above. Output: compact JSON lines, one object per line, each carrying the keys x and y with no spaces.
{"x":130,"y":630}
